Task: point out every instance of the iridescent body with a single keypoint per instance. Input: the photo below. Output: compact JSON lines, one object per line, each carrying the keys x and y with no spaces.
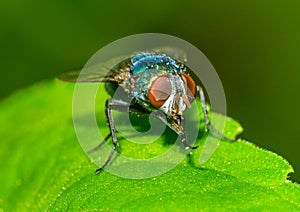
{"x":156,"y":81}
{"x":153,"y":82}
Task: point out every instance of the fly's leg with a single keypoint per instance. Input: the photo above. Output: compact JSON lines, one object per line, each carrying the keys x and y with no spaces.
{"x":113,"y":104}
{"x":184,"y":138}
{"x":120,"y":105}
{"x":182,"y":134}
{"x":207,"y":121}
{"x":100,"y":145}
{"x":110,"y":104}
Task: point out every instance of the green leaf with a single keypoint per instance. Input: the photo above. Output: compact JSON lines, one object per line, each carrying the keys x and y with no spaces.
{"x":44,"y":168}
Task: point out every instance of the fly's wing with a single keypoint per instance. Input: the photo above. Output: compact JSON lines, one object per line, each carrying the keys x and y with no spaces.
{"x":173,"y":52}
{"x":77,"y":76}
{"x":103,"y":72}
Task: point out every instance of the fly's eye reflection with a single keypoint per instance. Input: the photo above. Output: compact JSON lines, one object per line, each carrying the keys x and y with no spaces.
{"x":154,"y":81}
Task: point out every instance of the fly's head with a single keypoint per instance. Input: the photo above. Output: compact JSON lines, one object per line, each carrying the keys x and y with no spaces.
{"x":172,"y":94}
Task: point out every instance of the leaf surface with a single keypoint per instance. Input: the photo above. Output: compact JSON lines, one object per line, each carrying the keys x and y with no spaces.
{"x":44,"y":168}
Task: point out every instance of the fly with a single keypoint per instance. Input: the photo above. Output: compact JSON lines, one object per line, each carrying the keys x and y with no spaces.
{"x":155,"y":81}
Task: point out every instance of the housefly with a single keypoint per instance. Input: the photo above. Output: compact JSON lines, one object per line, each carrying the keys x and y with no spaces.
{"x":155,"y":80}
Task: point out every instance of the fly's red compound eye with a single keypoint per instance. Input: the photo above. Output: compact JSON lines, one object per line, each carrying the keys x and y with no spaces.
{"x":190,"y":86}
{"x":159,"y":91}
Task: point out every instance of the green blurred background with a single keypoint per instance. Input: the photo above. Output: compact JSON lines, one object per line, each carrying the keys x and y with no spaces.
{"x":254,"y":46}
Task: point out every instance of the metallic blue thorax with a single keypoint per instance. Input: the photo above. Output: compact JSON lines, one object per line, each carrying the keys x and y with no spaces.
{"x":146,"y":67}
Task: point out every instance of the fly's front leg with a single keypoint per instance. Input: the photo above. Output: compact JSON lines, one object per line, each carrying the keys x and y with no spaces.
{"x":182,"y":134}
{"x":184,"y":138}
{"x":207,"y":121}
